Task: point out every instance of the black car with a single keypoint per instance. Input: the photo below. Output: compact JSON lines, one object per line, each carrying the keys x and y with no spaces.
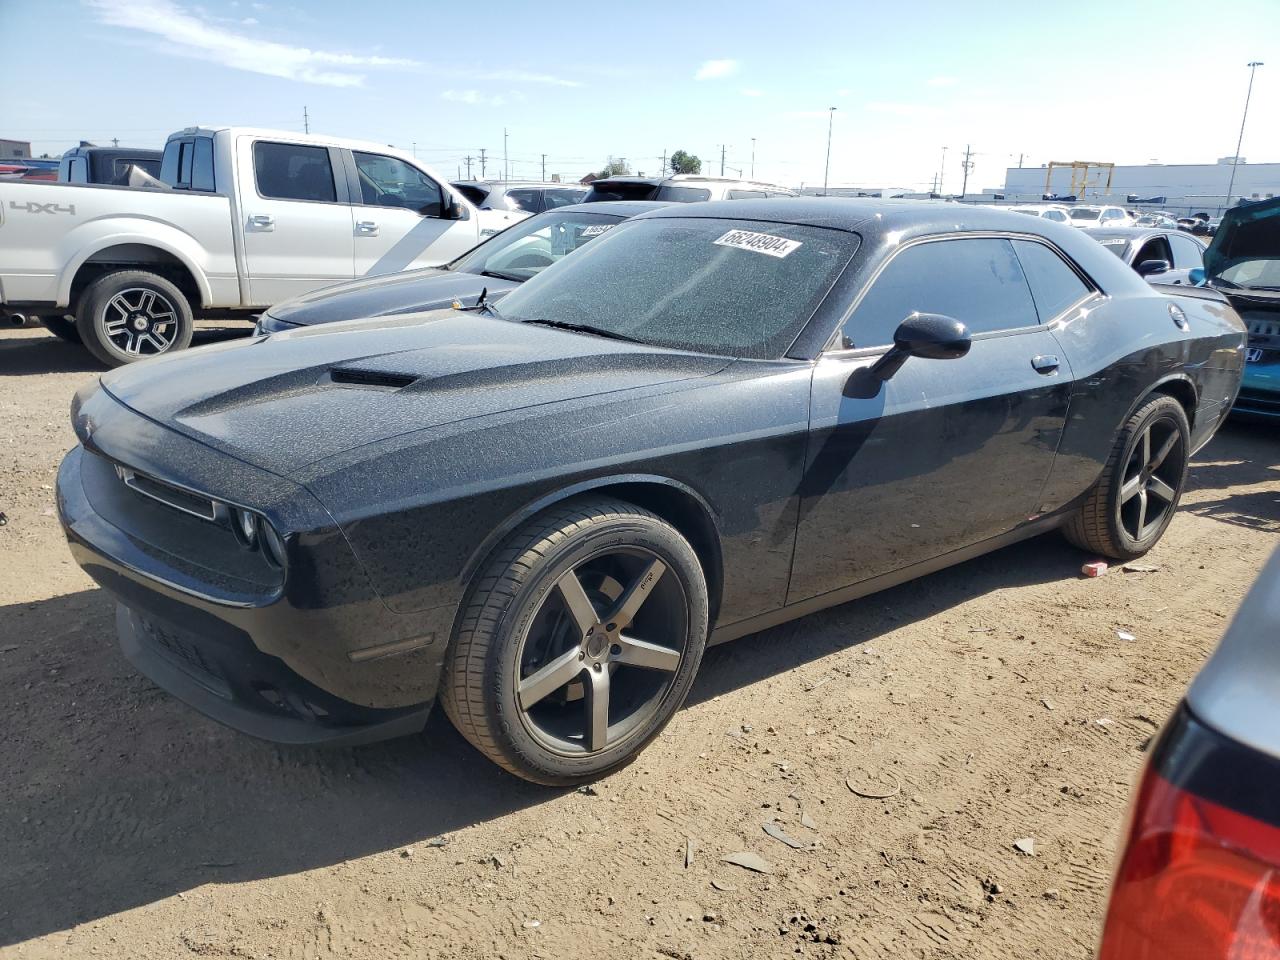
{"x":89,"y":164}
{"x":1197,"y":876}
{"x":495,"y":267}
{"x":715,"y":418}
{"x":1159,"y":255}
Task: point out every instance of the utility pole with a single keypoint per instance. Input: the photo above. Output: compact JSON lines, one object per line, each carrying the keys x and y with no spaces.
{"x":115,"y":141}
{"x":482,"y":163}
{"x":506,"y":167}
{"x":306,"y":120}
{"x":722,"y":159}
{"x":663,"y":168}
{"x":1253,"y":66}
{"x":942,"y":171}
{"x":831,"y":115}
{"x":415,"y":149}
{"x":753,"y":158}
{"x":544,"y":168}
{"x":468,"y":160}
{"x":967,"y":165}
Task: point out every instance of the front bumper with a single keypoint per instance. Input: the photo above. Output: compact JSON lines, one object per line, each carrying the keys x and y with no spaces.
{"x":312,"y":655}
{"x":1260,"y":389}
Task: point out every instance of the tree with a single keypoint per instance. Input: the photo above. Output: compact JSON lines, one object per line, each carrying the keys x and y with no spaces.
{"x":615,"y":168}
{"x":682,"y":162}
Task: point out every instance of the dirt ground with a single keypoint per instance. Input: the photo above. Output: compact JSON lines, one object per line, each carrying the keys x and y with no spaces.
{"x":995,"y":701}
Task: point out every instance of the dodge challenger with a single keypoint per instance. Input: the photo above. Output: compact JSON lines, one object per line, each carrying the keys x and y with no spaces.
{"x":712,"y":419}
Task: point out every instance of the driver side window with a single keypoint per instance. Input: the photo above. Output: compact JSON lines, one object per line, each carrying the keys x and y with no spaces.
{"x":390,"y":182}
{"x":1157,"y":248}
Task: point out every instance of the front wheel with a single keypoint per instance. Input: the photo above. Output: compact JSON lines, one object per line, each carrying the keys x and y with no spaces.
{"x":130,"y":315}
{"x":1134,"y":501}
{"x":579,"y":642}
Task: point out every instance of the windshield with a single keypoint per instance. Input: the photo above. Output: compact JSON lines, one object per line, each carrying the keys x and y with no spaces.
{"x":736,"y":288}
{"x":1117,"y":246}
{"x":1085,"y":213}
{"x":532,"y":245}
{"x":1254,"y":274}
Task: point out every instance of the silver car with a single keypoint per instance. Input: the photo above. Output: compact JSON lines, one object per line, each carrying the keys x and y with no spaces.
{"x":525,"y":196}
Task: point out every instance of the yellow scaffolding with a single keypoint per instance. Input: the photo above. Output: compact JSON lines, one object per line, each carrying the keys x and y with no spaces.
{"x":1080,"y":176}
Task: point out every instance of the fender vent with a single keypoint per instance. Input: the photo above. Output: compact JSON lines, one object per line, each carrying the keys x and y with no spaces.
{"x":375,"y":379}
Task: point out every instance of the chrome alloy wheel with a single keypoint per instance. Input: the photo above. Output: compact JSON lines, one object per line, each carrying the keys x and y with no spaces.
{"x":1152,"y":477}
{"x":602,"y":652}
{"x":140,"y":321}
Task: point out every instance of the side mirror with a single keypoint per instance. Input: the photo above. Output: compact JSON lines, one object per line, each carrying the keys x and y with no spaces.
{"x":452,"y":209}
{"x":1148,"y":268}
{"x":1196,"y":276}
{"x":929,"y":336}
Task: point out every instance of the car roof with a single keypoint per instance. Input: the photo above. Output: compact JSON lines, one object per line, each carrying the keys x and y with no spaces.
{"x":502,"y":184}
{"x":1128,"y":233}
{"x":857,"y":214}
{"x":622,"y":208}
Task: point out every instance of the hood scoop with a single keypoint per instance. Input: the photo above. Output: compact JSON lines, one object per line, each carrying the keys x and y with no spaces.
{"x":369,"y":379}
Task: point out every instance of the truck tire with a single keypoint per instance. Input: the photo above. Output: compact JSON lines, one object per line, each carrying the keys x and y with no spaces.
{"x":64,"y":328}
{"x":130,"y":315}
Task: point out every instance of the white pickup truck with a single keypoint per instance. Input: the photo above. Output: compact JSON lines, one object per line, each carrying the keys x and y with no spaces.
{"x":240,"y":219}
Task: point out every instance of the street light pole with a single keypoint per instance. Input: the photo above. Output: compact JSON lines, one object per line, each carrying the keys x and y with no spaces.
{"x":942,"y":171}
{"x":831,"y":116}
{"x":1253,"y":66}
{"x":753,"y":158}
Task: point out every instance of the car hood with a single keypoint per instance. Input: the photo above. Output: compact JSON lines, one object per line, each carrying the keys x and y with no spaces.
{"x":288,"y":400}
{"x":1251,"y":231}
{"x":410,"y":292}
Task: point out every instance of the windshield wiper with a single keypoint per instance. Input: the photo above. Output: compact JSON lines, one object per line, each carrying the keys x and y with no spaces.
{"x":499,"y":275}
{"x":584,"y":328}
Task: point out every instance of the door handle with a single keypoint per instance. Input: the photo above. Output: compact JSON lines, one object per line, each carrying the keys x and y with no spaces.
{"x":1046,"y":363}
{"x":366,"y":228}
{"x":262,"y":222}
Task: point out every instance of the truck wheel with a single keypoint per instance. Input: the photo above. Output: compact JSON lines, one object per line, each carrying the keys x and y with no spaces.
{"x":130,"y":315}
{"x":63,"y":328}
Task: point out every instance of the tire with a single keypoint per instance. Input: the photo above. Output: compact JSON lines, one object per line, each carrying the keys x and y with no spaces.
{"x":519,"y":625}
{"x":130,"y":315}
{"x":1115,"y":519}
{"x":63,"y":328}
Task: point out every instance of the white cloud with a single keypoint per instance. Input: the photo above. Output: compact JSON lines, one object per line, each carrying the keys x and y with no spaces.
{"x":912,"y":110}
{"x":191,"y":36}
{"x":191,"y":33}
{"x":752,"y":92}
{"x":716,"y":69}
{"x":943,"y":81}
{"x":474,"y":97}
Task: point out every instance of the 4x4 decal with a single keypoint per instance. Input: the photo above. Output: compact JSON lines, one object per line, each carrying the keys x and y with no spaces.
{"x":32,"y":207}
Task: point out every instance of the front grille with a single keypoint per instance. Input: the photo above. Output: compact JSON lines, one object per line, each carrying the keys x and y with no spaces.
{"x":184,"y":500}
{"x":187,"y":656}
{"x":1259,"y":400}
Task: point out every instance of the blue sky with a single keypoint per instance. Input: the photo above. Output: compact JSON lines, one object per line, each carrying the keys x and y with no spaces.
{"x":1088,"y":80}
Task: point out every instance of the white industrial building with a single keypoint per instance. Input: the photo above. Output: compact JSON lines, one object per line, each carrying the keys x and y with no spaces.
{"x":1183,"y":187}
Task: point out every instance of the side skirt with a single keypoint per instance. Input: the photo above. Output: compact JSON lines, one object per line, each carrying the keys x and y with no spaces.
{"x":732,"y":631}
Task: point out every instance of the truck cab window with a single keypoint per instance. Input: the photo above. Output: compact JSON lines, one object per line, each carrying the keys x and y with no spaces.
{"x":291,"y":171}
{"x":390,"y":182}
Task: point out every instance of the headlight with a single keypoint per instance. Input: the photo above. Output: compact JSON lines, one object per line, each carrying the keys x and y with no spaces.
{"x":272,"y":543}
{"x":245,"y":525}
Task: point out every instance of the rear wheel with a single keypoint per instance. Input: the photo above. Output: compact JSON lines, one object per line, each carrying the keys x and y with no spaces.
{"x":64,"y":328}
{"x":131,"y":315}
{"x":579,"y":643}
{"x":1131,"y":506}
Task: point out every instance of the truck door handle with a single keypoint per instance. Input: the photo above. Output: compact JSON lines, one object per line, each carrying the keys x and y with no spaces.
{"x":1046,"y":363}
{"x":262,"y":222}
{"x":366,"y":228}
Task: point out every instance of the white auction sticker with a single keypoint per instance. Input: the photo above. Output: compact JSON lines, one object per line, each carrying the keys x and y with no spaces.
{"x":764,"y":243}
{"x":595,"y":229}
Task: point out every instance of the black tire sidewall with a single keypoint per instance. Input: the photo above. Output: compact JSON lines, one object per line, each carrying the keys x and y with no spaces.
{"x":1161,"y":409}
{"x":91,"y":316}
{"x":502,"y":668}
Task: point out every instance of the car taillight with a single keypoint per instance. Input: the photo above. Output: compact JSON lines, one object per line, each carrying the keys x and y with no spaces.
{"x":1197,"y":881}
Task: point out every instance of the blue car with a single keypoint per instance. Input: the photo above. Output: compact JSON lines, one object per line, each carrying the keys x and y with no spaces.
{"x":1243,"y":262}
